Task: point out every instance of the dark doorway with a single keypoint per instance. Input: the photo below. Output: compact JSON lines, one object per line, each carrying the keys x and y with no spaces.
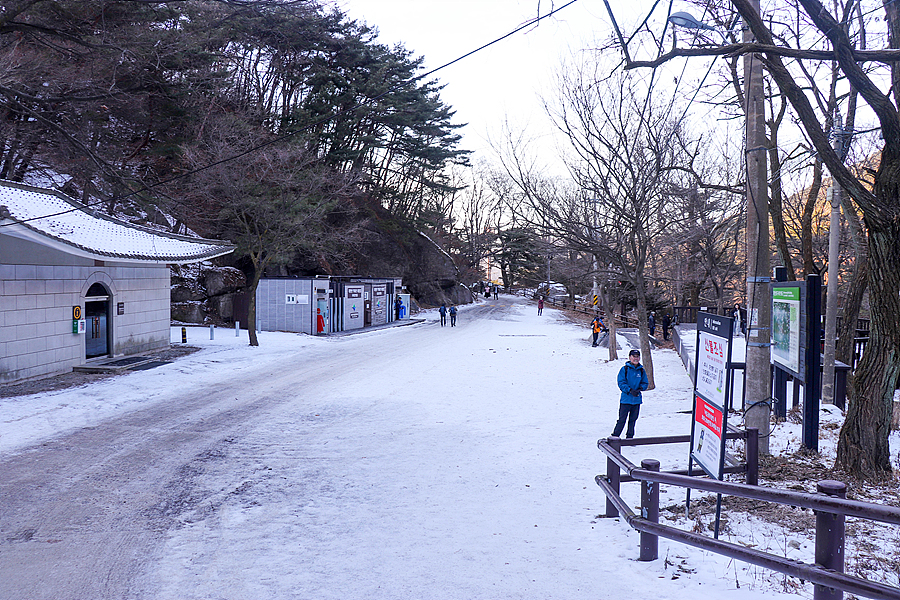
{"x":96,"y":314}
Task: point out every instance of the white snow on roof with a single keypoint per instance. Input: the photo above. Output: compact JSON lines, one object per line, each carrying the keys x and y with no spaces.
{"x":58,"y":218}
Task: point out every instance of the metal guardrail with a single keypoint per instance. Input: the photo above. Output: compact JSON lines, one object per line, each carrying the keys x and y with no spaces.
{"x":830,"y":507}
{"x":621,"y":320}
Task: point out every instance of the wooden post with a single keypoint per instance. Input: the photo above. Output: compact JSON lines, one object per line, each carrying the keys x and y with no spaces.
{"x":649,"y":511}
{"x":830,"y":539}
{"x":613,"y":475}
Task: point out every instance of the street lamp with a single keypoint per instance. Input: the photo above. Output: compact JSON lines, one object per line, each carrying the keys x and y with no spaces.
{"x":687,"y":21}
{"x":757,"y":374}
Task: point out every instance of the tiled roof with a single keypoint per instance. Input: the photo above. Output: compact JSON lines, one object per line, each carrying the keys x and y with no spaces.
{"x":59,"y":219}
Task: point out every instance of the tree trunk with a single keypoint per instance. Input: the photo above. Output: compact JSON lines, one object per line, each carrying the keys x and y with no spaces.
{"x":607,"y":301}
{"x":809,"y":265}
{"x":845,"y":343}
{"x":644,"y":330}
{"x":863,"y":446}
{"x":251,"y":305}
{"x":776,"y":209}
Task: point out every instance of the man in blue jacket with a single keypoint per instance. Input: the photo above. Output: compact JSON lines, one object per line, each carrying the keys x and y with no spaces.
{"x":632,"y":381}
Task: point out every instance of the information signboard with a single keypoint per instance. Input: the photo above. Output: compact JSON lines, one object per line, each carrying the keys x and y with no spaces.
{"x":712,"y":390}
{"x":786,"y":326}
{"x":709,"y":435}
{"x":711,"y":368}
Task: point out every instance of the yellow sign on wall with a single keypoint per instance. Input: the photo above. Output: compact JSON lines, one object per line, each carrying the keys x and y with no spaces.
{"x":76,"y":312}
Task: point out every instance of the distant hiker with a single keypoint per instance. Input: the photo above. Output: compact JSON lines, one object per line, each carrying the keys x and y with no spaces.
{"x":540,"y":305}
{"x":651,"y":321}
{"x":737,"y":319}
{"x":667,"y":322}
{"x":496,"y":293}
{"x":443,"y":311}
{"x":632,"y":381}
{"x":596,"y":328}
{"x":398,"y":306}
{"x":452,"y":316}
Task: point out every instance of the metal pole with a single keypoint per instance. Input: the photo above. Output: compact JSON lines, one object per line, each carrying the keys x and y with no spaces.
{"x":752,"y":456}
{"x":758,"y":375}
{"x":830,"y":539}
{"x":812,"y":389}
{"x":649,"y":511}
{"x":831,"y":310}
{"x":613,"y":475}
{"x":237,"y":329}
{"x":212,"y":332}
{"x":779,"y":392}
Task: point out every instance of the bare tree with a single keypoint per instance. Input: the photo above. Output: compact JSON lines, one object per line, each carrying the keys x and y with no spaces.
{"x":863,"y":447}
{"x":627,"y":156}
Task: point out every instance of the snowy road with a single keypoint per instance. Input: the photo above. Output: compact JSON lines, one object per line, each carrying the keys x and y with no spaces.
{"x":412,"y":462}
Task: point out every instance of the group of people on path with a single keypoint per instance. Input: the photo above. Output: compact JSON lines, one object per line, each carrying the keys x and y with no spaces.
{"x":443,"y":310}
{"x":488,"y":289}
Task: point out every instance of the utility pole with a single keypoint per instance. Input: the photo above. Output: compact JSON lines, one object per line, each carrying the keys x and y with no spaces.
{"x":757,"y":375}
{"x":840,"y":145}
{"x":831,"y":310}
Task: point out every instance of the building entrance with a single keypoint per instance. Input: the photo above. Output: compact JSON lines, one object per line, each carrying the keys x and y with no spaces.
{"x":96,"y":315}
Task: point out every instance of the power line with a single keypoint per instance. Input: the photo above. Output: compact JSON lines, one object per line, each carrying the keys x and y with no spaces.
{"x":323,"y":120}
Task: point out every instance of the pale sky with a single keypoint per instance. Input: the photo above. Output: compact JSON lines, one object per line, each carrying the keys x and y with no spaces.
{"x":507,"y":80}
{"x":503,"y":81}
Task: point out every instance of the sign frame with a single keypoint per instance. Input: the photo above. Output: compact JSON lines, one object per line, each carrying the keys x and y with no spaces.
{"x":712,"y":392}
{"x":789,"y":326}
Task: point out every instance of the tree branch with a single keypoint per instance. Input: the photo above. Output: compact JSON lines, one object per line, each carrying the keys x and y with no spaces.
{"x":804,"y":109}
{"x":732,"y":50}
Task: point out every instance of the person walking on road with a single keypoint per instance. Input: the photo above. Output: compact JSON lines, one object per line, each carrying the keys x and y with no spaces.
{"x":667,"y":322}
{"x":540,"y":305}
{"x":632,"y":381}
{"x":596,"y":328}
{"x":443,"y":311}
{"x":651,"y":321}
{"x":452,"y":316}
{"x":737,"y":319}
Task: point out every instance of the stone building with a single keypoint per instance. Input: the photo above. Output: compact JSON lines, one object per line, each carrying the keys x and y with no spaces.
{"x":77,"y":286}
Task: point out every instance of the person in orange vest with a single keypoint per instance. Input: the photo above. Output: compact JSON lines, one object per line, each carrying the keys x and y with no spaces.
{"x":596,"y":327}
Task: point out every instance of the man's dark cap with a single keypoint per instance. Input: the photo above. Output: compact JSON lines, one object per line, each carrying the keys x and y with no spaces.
{"x":634,"y":353}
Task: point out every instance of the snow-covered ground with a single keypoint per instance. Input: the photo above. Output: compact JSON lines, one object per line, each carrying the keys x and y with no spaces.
{"x":459,"y":464}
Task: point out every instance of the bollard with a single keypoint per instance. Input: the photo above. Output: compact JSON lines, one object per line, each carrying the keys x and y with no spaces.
{"x":830,"y":539}
{"x":237,"y":329}
{"x":212,"y":332}
{"x":649,"y":511}
{"x":752,"y":456}
{"x":613,"y":475}
{"x":184,"y":335}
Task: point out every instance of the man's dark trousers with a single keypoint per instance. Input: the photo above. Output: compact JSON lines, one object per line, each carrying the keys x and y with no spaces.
{"x":630,"y":412}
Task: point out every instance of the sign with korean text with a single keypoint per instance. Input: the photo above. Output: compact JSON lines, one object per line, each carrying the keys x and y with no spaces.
{"x":712,"y":391}
{"x":708,"y":434}
{"x":713,"y":352}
